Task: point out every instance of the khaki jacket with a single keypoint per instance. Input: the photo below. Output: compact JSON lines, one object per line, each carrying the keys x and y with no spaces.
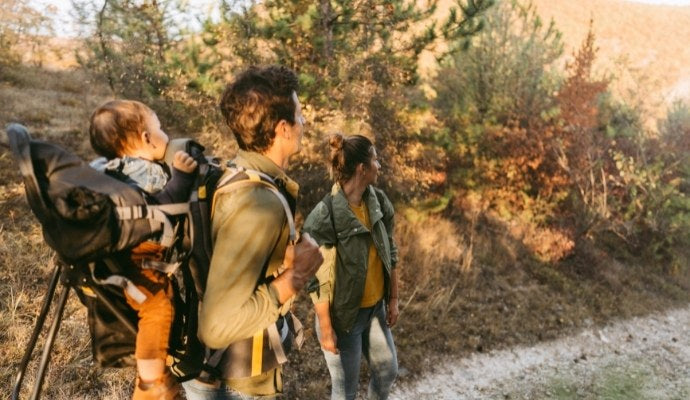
{"x":249,"y":228}
{"x":340,"y":279}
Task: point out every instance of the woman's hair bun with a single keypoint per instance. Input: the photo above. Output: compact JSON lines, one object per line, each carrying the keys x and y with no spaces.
{"x":346,"y":153}
{"x":336,"y":141}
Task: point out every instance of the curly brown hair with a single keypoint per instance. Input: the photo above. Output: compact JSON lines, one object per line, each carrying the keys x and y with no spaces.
{"x":256,"y":102}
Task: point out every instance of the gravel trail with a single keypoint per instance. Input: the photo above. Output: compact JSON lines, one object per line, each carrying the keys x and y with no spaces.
{"x":641,"y":358}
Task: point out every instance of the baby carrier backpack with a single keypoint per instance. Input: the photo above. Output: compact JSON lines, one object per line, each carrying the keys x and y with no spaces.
{"x":91,"y":220}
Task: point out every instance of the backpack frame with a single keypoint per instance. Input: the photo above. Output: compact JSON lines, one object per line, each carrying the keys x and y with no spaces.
{"x":111,"y":320}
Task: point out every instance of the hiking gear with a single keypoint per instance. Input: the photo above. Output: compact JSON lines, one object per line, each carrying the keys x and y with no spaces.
{"x":92,"y":220}
{"x":346,"y":251}
{"x":85,"y":215}
{"x":263,"y":352}
{"x":266,"y":349}
{"x":191,"y":358}
{"x":165,"y":388}
{"x":240,"y":301}
{"x":88,"y":218}
{"x":69,"y":277}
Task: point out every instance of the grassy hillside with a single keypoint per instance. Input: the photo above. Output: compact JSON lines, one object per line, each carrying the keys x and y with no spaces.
{"x":473,"y":279}
{"x":644,"y":47}
{"x":469,"y":283}
{"x":648,"y":42}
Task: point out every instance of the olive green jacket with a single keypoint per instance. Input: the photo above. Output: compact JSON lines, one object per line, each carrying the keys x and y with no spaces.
{"x":249,"y":228}
{"x":340,"y":279}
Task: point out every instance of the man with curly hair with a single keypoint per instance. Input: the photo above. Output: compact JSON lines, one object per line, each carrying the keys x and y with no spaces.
{"x":254,"y":273}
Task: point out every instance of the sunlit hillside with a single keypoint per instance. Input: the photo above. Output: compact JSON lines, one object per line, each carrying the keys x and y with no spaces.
{"x":651,"y":40}
{"x":645,"y":47}
{"x":530,"y":204}
{"x":52,"y":53}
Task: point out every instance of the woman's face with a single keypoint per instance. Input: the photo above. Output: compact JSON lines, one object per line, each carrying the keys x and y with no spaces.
{"x":371,"y":169}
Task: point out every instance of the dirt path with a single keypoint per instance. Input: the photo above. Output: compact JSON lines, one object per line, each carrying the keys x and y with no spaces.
{"x":642,"y":358}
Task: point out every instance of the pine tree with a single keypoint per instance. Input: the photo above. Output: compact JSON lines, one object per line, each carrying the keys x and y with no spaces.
{"x":357,"y":57}
{"x":129,"y":44}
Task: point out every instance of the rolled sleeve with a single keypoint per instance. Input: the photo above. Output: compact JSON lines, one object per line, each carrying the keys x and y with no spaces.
{"x":318,"y":224}
{"x":322,"y":289}
{"x":389,"y":222}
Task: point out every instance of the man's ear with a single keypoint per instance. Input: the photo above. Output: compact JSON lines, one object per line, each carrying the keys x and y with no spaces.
{"x":282,"y":129}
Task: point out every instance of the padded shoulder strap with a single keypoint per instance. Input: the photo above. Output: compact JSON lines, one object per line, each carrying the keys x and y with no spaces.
{"x":157,"y":215}
{"x":234,"y":181}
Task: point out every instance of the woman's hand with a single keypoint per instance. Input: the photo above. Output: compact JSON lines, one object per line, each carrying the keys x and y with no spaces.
{"x":393,"y":312}
{"x":329,"y":341}
{"x":184,"y":162}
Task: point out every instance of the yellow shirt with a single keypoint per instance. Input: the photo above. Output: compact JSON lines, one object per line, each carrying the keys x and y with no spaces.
{"x":373,"y":286}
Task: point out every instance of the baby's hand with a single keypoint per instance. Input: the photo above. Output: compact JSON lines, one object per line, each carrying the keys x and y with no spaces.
{"x":184,"y":162}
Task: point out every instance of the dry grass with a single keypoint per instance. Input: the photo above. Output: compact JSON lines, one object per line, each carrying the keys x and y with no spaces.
{"x":508,"y":295}
{"x":52,"y":53}
{"x":55,"y":105}
{"x":26,"y":262}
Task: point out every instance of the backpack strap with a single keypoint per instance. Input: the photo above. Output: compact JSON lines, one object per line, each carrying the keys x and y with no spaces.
{"x":234,"y":181}
{"x":156,"y":215}
{"x":118,"y":280}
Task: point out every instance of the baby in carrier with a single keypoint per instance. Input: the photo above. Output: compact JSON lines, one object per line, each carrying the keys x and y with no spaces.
{"x":128,"y":134}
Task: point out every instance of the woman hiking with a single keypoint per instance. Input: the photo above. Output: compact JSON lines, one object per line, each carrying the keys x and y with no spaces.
{"x":356,"y":290}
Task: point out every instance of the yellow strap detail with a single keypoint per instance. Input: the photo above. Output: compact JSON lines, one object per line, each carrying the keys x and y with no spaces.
{"x":257,"y":353}
{"x":202,"y":192}
{"x":253,"y":176}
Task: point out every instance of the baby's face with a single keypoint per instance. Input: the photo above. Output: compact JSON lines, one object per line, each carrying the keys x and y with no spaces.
{"x":157,"y":139}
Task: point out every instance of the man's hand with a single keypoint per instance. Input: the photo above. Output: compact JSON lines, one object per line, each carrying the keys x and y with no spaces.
{"x":329,"y":341}
{"x":184,"y":162}
{"x":306,"y":261}
{"x":301,"y":262}
{"x":393,"y":312}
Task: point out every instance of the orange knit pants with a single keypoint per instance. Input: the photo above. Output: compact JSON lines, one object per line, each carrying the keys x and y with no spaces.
{"x":155,"y":314}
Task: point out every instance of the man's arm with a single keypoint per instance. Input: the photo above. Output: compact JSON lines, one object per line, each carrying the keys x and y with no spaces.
{"x":246,"y":228}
